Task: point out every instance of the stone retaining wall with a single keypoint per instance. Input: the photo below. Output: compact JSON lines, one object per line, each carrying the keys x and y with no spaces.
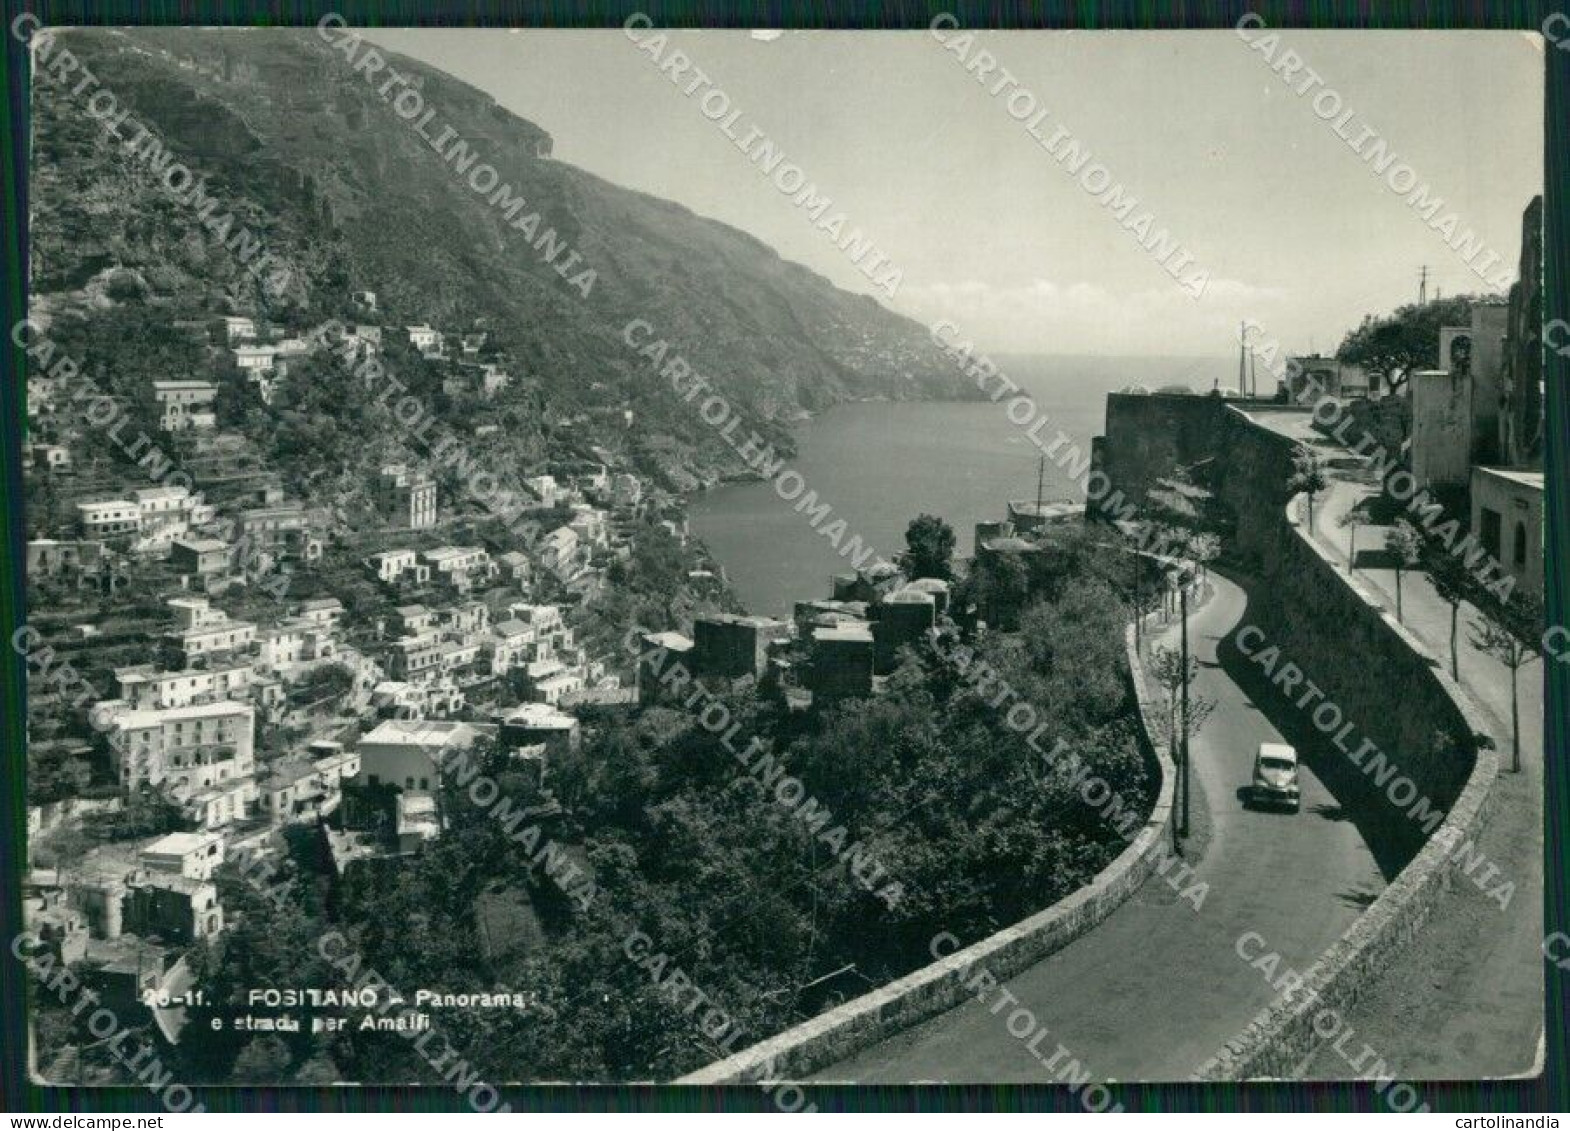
{"x":1328,"y":623}
{"x":1282,"y":1035}
{"x":933,"y":989}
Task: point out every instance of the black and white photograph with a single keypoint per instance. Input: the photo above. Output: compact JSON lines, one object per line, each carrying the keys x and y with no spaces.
{"x":782,"y":562}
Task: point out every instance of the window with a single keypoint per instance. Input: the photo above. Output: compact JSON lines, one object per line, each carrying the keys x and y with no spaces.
{"x":1520,"y":545}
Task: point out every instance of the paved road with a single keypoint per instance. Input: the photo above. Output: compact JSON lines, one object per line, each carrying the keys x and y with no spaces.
{"x":1477,"y":1002}
{"x":1156,"y":990}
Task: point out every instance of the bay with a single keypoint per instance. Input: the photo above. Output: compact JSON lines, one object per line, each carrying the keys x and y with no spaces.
{"x":879,"y":465}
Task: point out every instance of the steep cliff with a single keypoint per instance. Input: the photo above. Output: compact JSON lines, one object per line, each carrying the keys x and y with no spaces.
{"x":347,"y":195}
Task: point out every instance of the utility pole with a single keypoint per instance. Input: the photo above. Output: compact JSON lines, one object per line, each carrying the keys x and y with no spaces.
{"x":1253,"y":376}
{"x":1422,"y":286}
{"x":1041,"y":476}
{"x":1242,"y":359}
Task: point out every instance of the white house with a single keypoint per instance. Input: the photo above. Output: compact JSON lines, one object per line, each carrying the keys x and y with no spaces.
{"x":424,"y":338}
{"x":254,"y":359}
{"x":409,"y":753}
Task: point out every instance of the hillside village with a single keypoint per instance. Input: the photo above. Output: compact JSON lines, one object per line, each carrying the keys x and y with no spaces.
{"x":218,"y":660}
{"x":269,"y":668}
{"x":295,"y":573}
{"x":173,"y":580}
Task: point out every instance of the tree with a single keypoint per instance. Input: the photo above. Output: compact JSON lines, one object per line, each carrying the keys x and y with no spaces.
{"x":1166,"y":665}
{"x":1175,"y":671}
{"x":1182,"y":513}
{"x":325,"y":682}
{"x":929,"y":548}
{"x":1403,"y":544}
{"x":1394,"y":346}
{"x":1202,"y":550}
{"x":999,"y":586}
{"x":1308,"y":478}
{"x":1511,"y":633}
{"x":1454,"y":583}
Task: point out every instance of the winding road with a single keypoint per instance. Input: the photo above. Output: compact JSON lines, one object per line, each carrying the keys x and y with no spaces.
{"x":1473,"y":984}
{"x":1158,"y":988}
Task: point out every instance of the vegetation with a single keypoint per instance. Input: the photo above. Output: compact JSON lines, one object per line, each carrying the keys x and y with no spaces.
{"x":966,"y":827}
{"x":1171,"y":675}
{"x":1512,"y":633}
{"x":929,"y":548}
{"x":1187,"y":519}
{"x":1454,"y":583}
{"x":1309,"y":477}
{"x":1404,"y":546}
{"x":1393,"y":346}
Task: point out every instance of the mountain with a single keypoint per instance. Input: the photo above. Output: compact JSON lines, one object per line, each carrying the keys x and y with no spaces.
{"x":348,"y":195}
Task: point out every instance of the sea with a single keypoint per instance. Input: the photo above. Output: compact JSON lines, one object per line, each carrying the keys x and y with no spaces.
{"x":879,"y":465}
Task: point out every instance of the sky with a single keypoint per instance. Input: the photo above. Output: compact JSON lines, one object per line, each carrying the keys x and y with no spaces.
{"x":1294,"y":230}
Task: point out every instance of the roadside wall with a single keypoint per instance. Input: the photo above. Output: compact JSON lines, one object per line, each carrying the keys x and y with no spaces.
{"x":1418,"y":696}
{"x":1379,"y":675}
{"x":1150,"y":435}
{"x":933,"y":989}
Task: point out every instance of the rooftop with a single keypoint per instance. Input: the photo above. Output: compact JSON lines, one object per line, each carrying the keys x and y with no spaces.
{"x":180,"y":844}
{"x":539,"y":716}
{"x":857,"y":632}
{"x":737,"y":618}
{"x":448,"y":553}
{"x":1058,"y":508}
{"x":170,"y":881}
{"x":425,"y":733}
{"x":128,"y":954}
{"x":670,"y":641}
{"x":221,"y":709}
{"x":1526,"y":477}
{"x":1008,"y":545}
{"x":150,"y":494}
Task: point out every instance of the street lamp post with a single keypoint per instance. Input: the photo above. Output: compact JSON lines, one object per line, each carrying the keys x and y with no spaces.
{"x":1183,"y":662}
{"x":1134,"y":561}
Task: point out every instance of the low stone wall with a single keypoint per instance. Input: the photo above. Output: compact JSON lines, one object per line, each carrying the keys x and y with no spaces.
{"x":933,"y":989}
{"x":1282,"y":1035}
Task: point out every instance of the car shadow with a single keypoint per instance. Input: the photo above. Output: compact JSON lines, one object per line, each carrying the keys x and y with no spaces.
{"x":1391,"y":842}
{"x":1245,"y":798}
